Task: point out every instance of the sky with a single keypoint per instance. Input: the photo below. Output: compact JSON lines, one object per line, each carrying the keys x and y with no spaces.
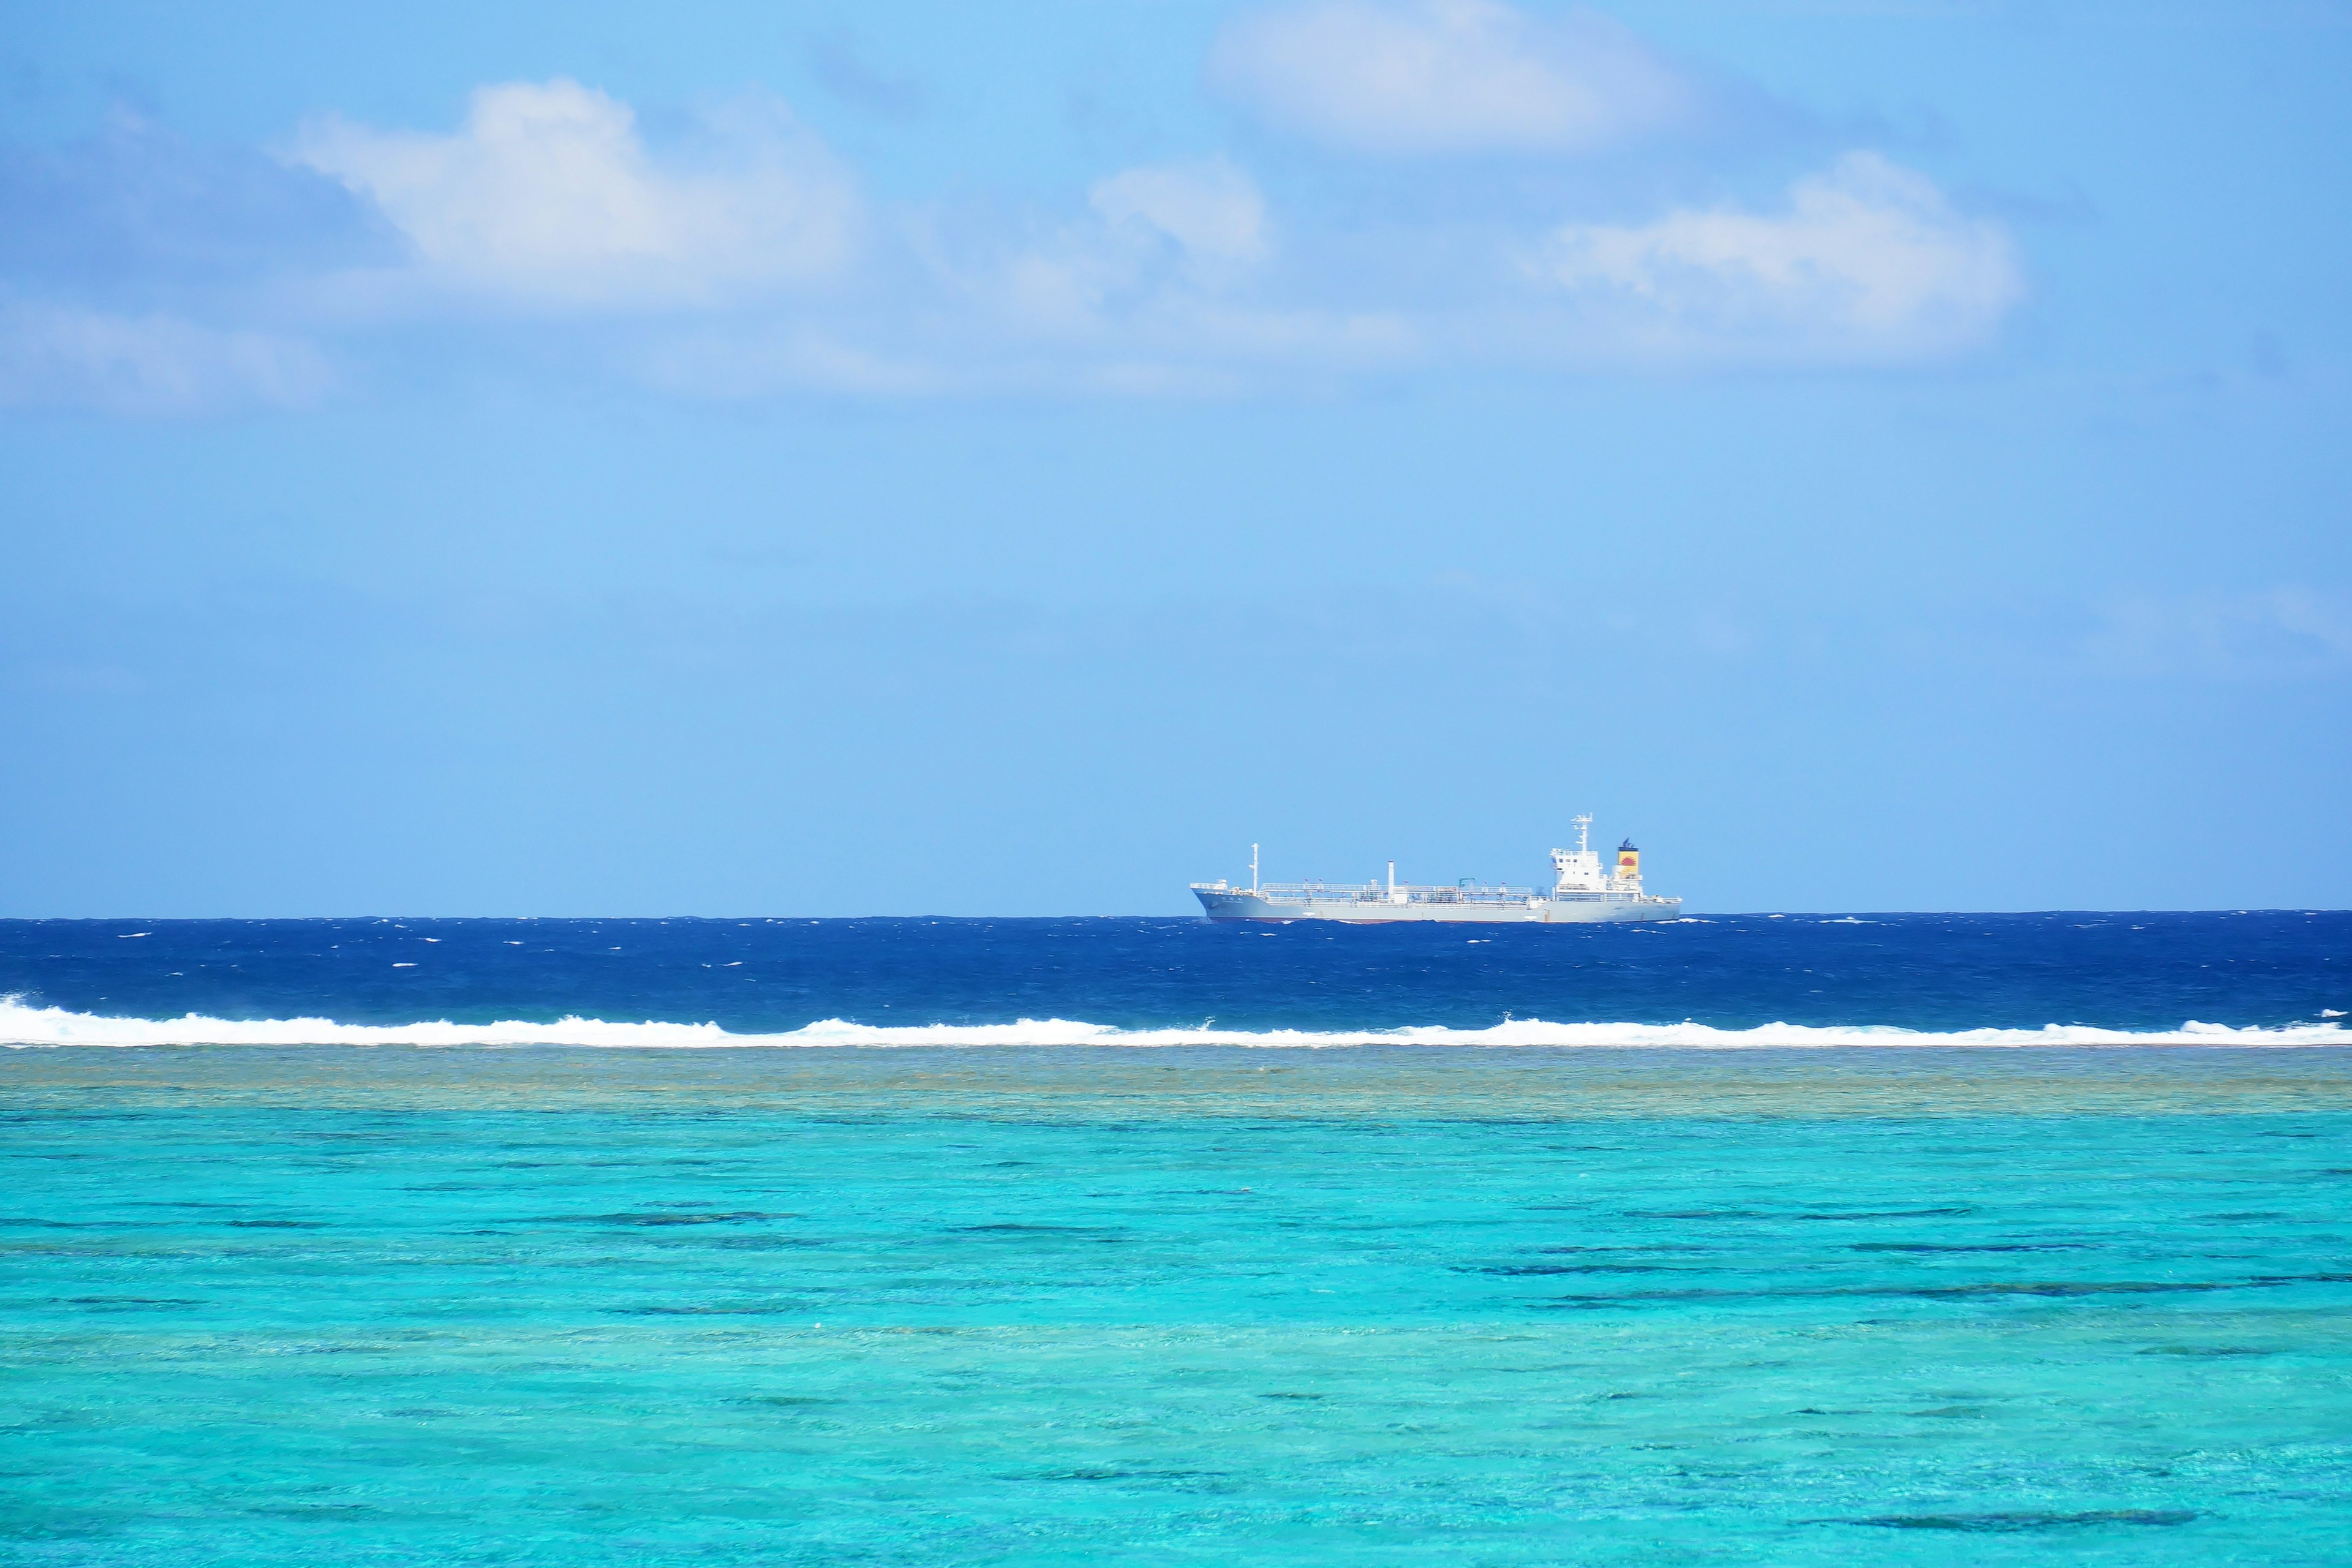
{"x":896,"y":459}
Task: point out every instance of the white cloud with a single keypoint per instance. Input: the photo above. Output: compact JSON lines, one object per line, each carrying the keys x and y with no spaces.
{"x":1161,"y":287}
{"x":1152,"y":236}
{"x":547,"y":203}
{"x":1449,"y":75}
{"x":1211,"y":209}
{"x":1868,"y":261}
{"x":55,"y":356}
{"x":547,"y":192}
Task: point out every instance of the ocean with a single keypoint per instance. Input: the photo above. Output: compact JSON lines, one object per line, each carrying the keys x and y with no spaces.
{"x":1758,"y":1239}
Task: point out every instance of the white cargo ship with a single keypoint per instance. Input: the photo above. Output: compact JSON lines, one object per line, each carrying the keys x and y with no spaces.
{"x":1581,"y":895}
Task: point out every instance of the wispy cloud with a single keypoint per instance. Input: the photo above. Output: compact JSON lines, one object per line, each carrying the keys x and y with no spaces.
{"x":1449,"y":75}
{"x":838,"y":60}
{"x":2276,"y":633}
{"x":53,"y":356}
{"x":1865,"y":260}
{"x":1162,"y":285}
{"x":548,"y":194}
{"x":1212,"y":210}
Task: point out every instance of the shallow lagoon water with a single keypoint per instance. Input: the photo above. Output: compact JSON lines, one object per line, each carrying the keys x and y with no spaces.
{"x":1066,"y":1305}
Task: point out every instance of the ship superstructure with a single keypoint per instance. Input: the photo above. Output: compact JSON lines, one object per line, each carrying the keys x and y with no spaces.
{"x":1582,"y":893}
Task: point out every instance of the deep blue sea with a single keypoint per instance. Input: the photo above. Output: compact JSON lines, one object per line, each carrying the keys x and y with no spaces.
{"x":1873,"y":1239}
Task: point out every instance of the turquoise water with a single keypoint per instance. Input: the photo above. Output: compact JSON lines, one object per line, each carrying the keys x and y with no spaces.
{"x":1191,"y":1305}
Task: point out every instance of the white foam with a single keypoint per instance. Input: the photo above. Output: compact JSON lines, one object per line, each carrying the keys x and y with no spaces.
{"x":24,"y":1026}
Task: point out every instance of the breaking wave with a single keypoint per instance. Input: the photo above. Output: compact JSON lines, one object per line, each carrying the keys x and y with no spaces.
{"x":21,"y":1025}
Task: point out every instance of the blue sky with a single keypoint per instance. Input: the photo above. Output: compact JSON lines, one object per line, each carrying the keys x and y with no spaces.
{"x":836,"y":459}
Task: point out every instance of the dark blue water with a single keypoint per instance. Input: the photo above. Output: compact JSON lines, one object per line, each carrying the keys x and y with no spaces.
{"x":1931,"y":972}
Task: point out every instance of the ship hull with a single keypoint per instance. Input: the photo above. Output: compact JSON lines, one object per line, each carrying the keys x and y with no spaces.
{"x":1240,"y":904}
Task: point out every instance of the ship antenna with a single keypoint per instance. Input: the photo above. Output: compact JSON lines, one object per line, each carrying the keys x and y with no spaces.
{"x":1583,"y":828}
{"x":1252,"y":867}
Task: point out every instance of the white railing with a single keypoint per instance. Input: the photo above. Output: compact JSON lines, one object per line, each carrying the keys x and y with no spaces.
{"x":1378,"y":893}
